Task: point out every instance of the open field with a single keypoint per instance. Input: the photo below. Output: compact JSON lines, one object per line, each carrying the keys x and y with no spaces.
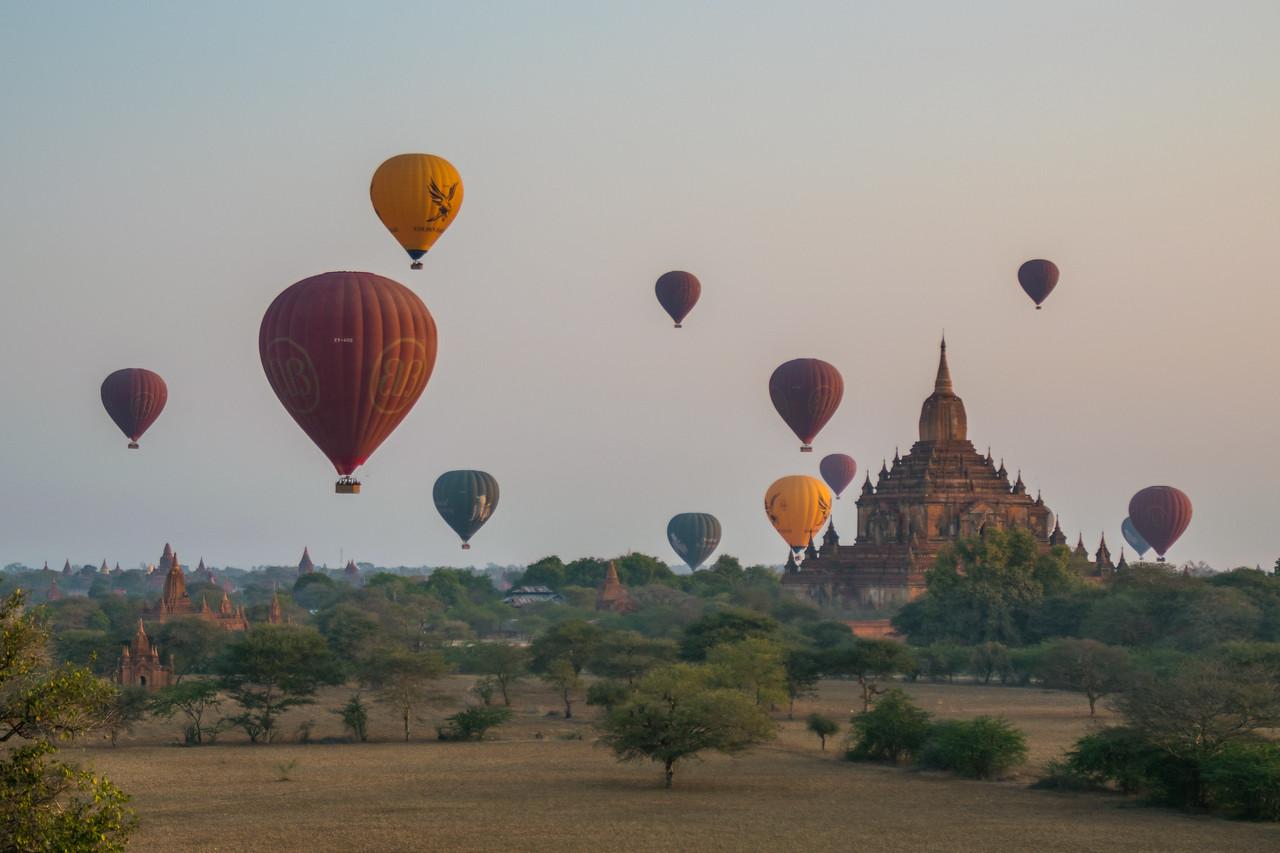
{"x":525,"y":793}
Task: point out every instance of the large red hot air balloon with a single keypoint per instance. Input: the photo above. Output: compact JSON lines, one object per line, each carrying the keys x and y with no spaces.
{"x":1038,"y":278}
{"x":838,"y":469}
{"x":1161,"y":514}
{"x":806,"y":392}
{"x":134,"y":398}
{"x":348,"y":354}
{"x":678,"y":292}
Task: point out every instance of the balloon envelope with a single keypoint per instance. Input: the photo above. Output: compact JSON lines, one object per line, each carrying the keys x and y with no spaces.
{"x":693,"y":536}
{"x":1160,"y":514}
{"x":134,"y":397}
{"x":465,"y":500}
{"x":797,"y":507}
{"x":1038,"y":278}
{"x":678,"y":292}
{"x":1133,"y":537}
{"x":838,"y":469}
{"x":806,"y":392}
{"x":348,"y":354}
{"x":417,"y":197}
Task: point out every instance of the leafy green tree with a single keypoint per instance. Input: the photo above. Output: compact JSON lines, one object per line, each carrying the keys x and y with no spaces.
{"x":272,"y":668}
{"x":316,"y":591}
{"x":627,"y":655}
{"x":355,"y":718}
{"x":574,"y":641}
{"x":1244,"y":779}
{"x":473,"y":723}
{"x":823,"y":727}
{"x":943,"y":661}
{"x":723,"y":627}
{"x":129,"y":708}
{"x":803,"y":669}
{"x":504,"y":663}
{"x":561,"y":675}
{"x":1085,"y":666}
{"x":986,"y":588}
{"x":868,"y":662}
{"x":44,"y":804}
{"x":549,"y":571}
{"x":194,"y":645}
{"x":676,"y":713}
{"x":894,"y":730}
{"x":608,"y":693}
{"x":192,"y":699}
{"x":402,"y":679}
{"x":461,"y":586}
{"x":754,"y":666}
{"x":990,"y":660}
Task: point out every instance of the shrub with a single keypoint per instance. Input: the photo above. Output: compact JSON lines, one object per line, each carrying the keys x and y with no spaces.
{"x":894,"y":730}
{"x":981,"y":748}
{"x":473,"y":723}
{"x":355,"y":719}
{"x":823,"y":727}
{"x":1244,"y":779}
{"x":1116,"y":755}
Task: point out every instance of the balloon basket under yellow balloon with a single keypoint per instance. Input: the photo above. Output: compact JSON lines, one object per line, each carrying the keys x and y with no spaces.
{"x":416,"y":265}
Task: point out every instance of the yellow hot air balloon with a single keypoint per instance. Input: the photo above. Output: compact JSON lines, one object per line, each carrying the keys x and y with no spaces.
{"x":416,"y":196}
{"x":798,"y":506}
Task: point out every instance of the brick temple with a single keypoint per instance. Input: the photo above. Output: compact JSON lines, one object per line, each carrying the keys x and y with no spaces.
{"x":941,"y":490}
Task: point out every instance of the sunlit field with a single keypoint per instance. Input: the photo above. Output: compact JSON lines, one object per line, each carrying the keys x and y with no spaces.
{"x":541,"y":784}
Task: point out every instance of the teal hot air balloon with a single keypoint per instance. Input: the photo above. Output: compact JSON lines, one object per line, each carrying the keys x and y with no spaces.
{"x":1133,"y":537}
{"x":465,"y":500}
{"x":693,"y":536}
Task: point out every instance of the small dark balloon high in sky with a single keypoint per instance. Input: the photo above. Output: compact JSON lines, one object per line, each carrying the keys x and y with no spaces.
{"x":134,"y":397}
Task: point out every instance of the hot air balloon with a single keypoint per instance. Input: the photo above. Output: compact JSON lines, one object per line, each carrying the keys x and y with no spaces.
{"x":1133,"y":537}
{"x":798,"y":506}
{"x":678,"y":292}
{"x":1160,"y":514}
{"x":806,"y":392}
{"x":838,"y":469}
{"x":465,"y":500}
{"x":1038,"y":278}
{"x":693,"y":536}
{"x":348,"y":354}
{"x":417,"y":196}
{"x":134,"y":398}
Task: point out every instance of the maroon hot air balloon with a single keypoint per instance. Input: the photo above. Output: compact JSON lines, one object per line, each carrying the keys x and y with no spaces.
{"x":838,"y":469}
{"x":134,"y":398}
{"x":1038,"y":278}
{"x":348,"y":354}
{"x":678,"y":292}
{"x":806,"y":392}
{"x":1161,"y":514}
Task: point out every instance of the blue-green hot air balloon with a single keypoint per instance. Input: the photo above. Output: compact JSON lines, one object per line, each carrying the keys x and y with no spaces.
{"x":693,"y":536}
{"x":465,"y":500}
{"x":1133,"y":537}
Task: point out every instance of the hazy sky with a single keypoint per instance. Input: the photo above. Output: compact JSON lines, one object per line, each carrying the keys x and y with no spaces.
{"x":847,"y":179}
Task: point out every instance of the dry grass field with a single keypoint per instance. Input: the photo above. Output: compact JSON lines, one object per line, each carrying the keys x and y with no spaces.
{"x":558,"y":793}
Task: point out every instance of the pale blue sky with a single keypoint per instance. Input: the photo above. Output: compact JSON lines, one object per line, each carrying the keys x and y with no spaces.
{"x":846,"y":179}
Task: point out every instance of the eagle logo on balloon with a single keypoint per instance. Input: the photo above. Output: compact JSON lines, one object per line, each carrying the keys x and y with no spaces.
{"x":442,"y":200}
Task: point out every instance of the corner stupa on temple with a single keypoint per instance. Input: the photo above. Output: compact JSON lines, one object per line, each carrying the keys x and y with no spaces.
{"x":941,"y":490}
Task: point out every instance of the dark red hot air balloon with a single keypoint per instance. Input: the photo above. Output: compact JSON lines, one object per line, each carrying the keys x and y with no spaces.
{"x":678,"y":292}
{"x":838,"y":469}
{"x":348,"y":354}
{"x":1038,"y":278}
{"x":1160,"y":514}
{"x":134,"y":398}
{"x":806,"y":392}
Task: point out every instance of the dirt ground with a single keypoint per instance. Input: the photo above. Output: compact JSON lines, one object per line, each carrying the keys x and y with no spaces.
{"x":560,"y":792}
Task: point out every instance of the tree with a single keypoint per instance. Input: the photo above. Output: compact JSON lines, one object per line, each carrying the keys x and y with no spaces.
{"x":627,"y":655}
{"x":991,"y":660}
{"x":754,"y":666}
{"x":473,"y":723}
{"x":402,"y":678}
{"x":1085,"y":666}
{"x":868,"y":661}
{"x":272,"y":668}
{"x":128,"y":709}
{"x":608,"y":693}
{"x":895,"y":730}
{"x":574,"y":641}
{"x":45,"y":804}
{"x":561,"y":675}
{"x":192,"y":699}
{"x":677,"y":713}
{"x":803,"y":670}
{"x":194,"y":645}
{"x":355,"y":718}
{"x":721,"y":627}
{"x":504,"y":663}
{"x":823,"y":727}
{"x":981,"y":748}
